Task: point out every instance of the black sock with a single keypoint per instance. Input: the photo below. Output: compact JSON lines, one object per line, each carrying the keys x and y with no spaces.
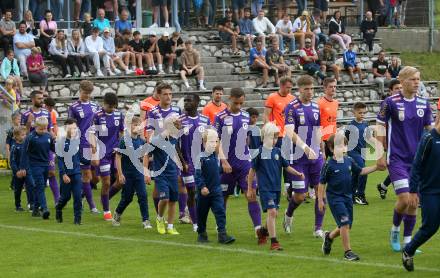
{"x":273,"y":240}
{"x":349,"y":250}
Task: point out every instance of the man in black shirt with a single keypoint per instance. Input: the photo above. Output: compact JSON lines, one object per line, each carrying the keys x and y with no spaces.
{"x":228,"y":30}
{"x":122,"y":47}
{"x":380,"y":71}
{"x":152,"y":48}
{"x":137,"y":46}
{"x":166,"y":51}
{"x":369,"y":29}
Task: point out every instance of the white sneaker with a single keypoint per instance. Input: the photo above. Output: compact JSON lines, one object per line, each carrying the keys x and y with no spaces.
{"x":161,"y":72}
{"x":185,"y":220}
{"x":154,"y":25}
{"x":319,"y":234}
{"x":195,"y":227}
{"x":287,"y":223}
{"x":167,"y":25}
{"x":177,"y":71}
{"x":89,"y":73}
{"x":128,"y":72}
{"x":110,"y":73}
{"x":116,"y":221}
{"x":147,"y":225}
{"x":99,"y":73}
{"x":83,"y":74}
{"x":117,"y":71}
{"x":170,"y":70}
{"x":202,"y":88}
{"x":133,"y":69}
{"x":95,"y":211}
{"x":67,"y":76}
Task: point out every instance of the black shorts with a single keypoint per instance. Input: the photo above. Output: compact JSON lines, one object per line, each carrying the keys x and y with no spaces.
{"x":225,"y":36}
{"x":322,"y":5}
{"x":159,"y":3}
{"x":194,"y":73}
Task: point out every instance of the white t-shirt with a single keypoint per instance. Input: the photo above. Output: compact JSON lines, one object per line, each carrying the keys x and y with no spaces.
{"x":283,"y":27}
{"x":93,"y":46}
{"x":24,"y":38}
{"x":263,"y":26}
{"x":297,"y":25}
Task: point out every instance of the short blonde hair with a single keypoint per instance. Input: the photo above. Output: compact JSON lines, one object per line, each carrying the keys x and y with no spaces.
{"x":209,"y":131}
{"x":269,"y":129}
{"x":41,"y":121}
{"x":18,"y":130}
{"x":407,"y":72}
{"x":10,"y":81}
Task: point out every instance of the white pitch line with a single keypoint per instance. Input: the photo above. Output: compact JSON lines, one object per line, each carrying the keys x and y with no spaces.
{"x":215,"y":248}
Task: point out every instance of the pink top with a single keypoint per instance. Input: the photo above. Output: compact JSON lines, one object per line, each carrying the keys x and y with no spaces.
{"x":32,"y":61}
{"x":52,"y":25}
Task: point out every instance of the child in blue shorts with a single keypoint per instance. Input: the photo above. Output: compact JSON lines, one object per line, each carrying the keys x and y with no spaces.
{"x":335,"y":183}
{"x":267,"y":165}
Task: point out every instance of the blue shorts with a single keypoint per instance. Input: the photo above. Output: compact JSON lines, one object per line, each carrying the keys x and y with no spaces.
{"x":342,"y":210}
{"x":167,"y":187}
{"x":270,"y":200}
{"x":238,"y":4}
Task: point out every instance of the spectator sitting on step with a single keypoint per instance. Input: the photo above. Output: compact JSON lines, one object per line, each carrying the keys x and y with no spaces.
{"x":60,"y":55}
{"x":380,"y":71}
{"x":350,"y":63}
{"x":10,"y":70}
{"x":247,"y":28}
{"x":30,"y":23}
{"x":122,"y":45}
{"x":95,"y":50}
{"x":327,"y":59}
{"x":275,"y":59}
{"x":7,"y":32}
{"x":100,"y":21}
{"x":394,"y":68}
{"x":77,"y":51}
{"x":9,"y":87}
{"x":48,"y":31}
{"x":137,"y":47}
{"x":368,"y":30}
{"x":257,"y":61}
{"x":109,"y":47}
{"x":23,"y":42}
{"x":166,"y":45}
{"x":177,"y":43}
{"x":285,"y":31}
{"x":123,"y":24}
{"x":320,"y":37}
{"x":302,"y":28}
{"x":87,"y":26}
{"x":151,"y":47}
{"x":228,"y":31}
{"x":336,"y":31}
{"x":36,"y":67}
{"x":191,"y":65}
{"x":263,"y":27}
{"x":308,"y":60}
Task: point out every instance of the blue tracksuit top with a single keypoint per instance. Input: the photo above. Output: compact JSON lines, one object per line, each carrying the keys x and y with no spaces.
{"x":36,"y":149}
{"x":349,"y":58}
{"x":209,"y":173}
{"x":69,"y":163}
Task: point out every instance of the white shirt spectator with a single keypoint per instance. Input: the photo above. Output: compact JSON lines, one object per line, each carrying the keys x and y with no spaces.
{"x":94,"y":46}
{"x":24,"y":38}
{"x":283,"y":27}
{"x":80,"y":50}
{"x":263,"y":26}
{"x":55,"y":50}
{"x":109,"y":45}
{"x":298,"y":23}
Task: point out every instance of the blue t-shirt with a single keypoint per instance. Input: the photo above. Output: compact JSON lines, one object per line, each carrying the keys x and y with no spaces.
{"x":268,"y":165}
{"x":349,"y":58}
{"x":363,"y":133}
{"x":121,"y":25}
{"x":164,"y":151}
{"x":337,"y":175}
{"x":209,"y":173}
{"x":129,"y":151}
{"x":255,"y":53}
{"x":105,"y":23}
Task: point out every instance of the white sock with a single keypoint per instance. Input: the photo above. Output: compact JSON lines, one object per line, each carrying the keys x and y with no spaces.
{"x":160,"y":218}
{"x":187,"y":84}
{"x":201,"y":82}
{"x":257,"y":227}
{"x":383,"y":186}
{"x":107,"y":211}
{"x":154,"y":68}
{"x":406,"y":239}
{"x":170,"y":226}
{"x":160,"y":66}
{"x":170,"y":69}
{"x":150,"y":68}
{"x":395,"y":228}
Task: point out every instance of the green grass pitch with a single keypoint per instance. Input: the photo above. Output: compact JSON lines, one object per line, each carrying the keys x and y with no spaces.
{"x":35,"y":248}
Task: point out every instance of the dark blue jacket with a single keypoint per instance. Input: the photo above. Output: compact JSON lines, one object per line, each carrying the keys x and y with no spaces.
{"x":36,"y":149}
{"x":15,"y":158}
{"x":69,"y":163}
{"x":425,"y":172}
{"x":209,"y":174}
